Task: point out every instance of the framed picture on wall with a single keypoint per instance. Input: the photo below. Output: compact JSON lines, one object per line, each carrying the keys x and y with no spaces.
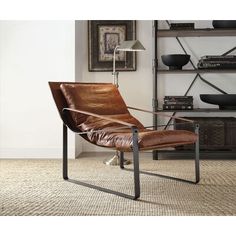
{"x":103,"y":37}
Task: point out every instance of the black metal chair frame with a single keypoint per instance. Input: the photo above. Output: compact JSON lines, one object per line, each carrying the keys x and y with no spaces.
{"x":135,"y":150}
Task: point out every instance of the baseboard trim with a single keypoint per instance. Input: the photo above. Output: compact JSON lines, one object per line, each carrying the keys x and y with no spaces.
{"x":37,"y":153}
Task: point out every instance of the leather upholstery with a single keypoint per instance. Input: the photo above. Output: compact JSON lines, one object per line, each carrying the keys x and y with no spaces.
{"x":61,"y":103}
{"x":105,"y":99}
{"x":95,"y":98}
{"x":114,"y":135}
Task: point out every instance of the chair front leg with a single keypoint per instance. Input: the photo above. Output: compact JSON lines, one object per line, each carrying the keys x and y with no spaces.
{"x":136,"y":172}
{"x":136,"y":163}
{"x":65,"y":153}
{"x":122,"y":160}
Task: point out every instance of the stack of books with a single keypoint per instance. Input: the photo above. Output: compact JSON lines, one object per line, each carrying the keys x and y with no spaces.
{"x":182,"y":26}
{"x":178,"y":103}
{"x":217,"y":62}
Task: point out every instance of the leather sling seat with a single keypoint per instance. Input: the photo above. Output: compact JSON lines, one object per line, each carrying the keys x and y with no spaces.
{"x":106,"y":100}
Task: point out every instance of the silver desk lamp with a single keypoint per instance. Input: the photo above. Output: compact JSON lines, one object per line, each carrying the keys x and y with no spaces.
{"x":129,"y":45}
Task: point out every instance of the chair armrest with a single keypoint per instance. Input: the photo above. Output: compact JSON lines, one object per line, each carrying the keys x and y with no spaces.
{"x":101,"y":116}
{"x":161,"y":114}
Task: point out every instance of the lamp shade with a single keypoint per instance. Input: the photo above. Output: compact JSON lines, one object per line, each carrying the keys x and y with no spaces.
{"x":130,"y":45}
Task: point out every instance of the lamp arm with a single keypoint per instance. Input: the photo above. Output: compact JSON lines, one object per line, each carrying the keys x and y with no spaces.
{"x":114,"y":73}
{"x":114,"y":59}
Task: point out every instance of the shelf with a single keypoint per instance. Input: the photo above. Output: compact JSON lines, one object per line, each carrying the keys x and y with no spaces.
{"x":207,"y":110}
{"x":201,"y":151}
{"x":192,"y":71}
{"x":197,"y":33}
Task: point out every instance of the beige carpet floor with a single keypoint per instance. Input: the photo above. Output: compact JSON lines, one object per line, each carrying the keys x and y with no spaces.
{"x":35,"y":187}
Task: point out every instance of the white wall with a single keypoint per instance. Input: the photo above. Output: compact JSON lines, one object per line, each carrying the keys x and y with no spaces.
{"x":135,"y":87}
{"x":31,"y":54}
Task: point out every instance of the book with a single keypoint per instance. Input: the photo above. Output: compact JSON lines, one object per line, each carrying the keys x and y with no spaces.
{"x":177,"y":107}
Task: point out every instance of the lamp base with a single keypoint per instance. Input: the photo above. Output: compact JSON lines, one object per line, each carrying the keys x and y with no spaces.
{"x":115,"y":161}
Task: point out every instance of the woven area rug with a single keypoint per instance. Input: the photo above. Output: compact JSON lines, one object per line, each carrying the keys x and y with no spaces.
{"x":35,"y":187}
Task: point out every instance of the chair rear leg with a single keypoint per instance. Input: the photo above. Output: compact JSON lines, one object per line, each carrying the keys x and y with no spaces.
{"x":65,"y":153}
{"x":136,"y":164}
{"x":122,"y":160}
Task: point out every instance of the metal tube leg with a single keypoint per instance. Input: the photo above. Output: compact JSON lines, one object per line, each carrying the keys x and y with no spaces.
{"x":197,"y":164}
{"x":136,"y":164}
{"x":122,"y":160}
{"x":65,"y":153}
{"x":155,"y":155}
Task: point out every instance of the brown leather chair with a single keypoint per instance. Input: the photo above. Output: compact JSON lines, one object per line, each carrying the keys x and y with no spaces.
{"x":98,"y":113}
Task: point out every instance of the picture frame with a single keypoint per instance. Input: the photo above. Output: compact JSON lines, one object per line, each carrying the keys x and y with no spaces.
{"x":103,"y":37}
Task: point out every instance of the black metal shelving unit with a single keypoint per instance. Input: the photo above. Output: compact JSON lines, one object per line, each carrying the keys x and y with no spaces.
{"x":208,"y":32}
{"x":194,"y":71}
{"x":205,"y":110}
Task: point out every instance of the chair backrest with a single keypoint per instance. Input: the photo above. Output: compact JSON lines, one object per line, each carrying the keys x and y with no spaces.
{"x":61,"y":102}
{"x":99,"y":98}
{"x":102,"y":99}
